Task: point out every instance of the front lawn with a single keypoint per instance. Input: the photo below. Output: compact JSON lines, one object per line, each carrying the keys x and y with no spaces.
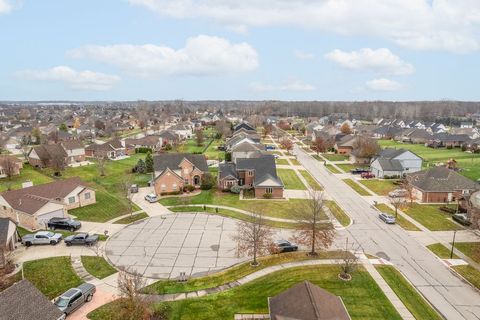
{"x":441,"y":251}
{"x":347,"y":167}
{"x":400,"y":220}
{"x":335,"y":157}
{"x":355,"y":186}
{"x":380,"y":187}
{"x":431,"y":217}
{"x":97,"y":266}
{"x":272,"y":208}
{"x":132,"y":218}
{"x":52,"y":276}
{"x":361,"y":296}
{"x":28,"y":173}
{"x":282,"y":162}
{"x":470,"y":249}
{"x":295,"y":162}
{"x":310,"y":180}
{"x":338,"y":212}
{"x":410,"y":297}
{"x":470,"y":273}
{"x":290,"y":179}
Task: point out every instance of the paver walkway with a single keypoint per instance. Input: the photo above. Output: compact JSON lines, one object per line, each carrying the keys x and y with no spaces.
{"x":80,"y":269}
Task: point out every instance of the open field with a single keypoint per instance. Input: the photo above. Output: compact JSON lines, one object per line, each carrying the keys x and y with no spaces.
{"x":290,"y":179}
{"x":380,"y":187}
{"x":431,"y":217}
{"x":28,"y":173}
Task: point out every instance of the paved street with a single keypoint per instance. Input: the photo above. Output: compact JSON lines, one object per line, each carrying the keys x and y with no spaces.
{"x":449,"y":295}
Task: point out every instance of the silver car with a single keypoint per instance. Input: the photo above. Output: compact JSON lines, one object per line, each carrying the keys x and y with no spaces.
{"x":387,"y":218}
{"x":41,"y":237}
{"x":74,"y":298}
{"x":151,"y":197}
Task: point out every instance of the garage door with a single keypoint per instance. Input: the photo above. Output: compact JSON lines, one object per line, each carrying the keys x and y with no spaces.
{"x":43,"y":219}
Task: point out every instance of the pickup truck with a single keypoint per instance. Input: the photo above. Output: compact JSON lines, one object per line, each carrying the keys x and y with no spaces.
{"x":81,"y":238}
{"x":41,"y":237}
{"x":74,"y":298}
{"x":64,"y":223}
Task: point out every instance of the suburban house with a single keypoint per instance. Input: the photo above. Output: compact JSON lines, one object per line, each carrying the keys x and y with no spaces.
{"x":112,"y":149}
{"x":307,"y":301}
{"x":184,"y":131}
{"x":32,"y":206}
{"x":241,"y":137}
{"x":174,"y":171}
{"x":448,"y":140}
{"x":45,"y":155}
{"x":10,"y":163}
{"x":414,"y":135}
{"x":345,"y":145}
{"x":34,"y":305}
{"x":153,"y":142}
{"x":247,"y":150}
{"x":245,"y":126}
{"x":440,"y":184}
{"x":258,"y":173}
{"x":169,"y":137}
{"x":386,"y":132}
{"x":395,"y":162}
{"x":8,"y":239}
{"x":75,"y":151}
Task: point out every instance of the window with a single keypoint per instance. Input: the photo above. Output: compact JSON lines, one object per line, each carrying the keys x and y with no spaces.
{"x":87,"y":196}
{"x":71,"y":200}
{"x":250,"y":173}
{"x":164,"y":187}
{"x":186,"y":182}
{"x":174,"y":187}
{"x":269,"y":190}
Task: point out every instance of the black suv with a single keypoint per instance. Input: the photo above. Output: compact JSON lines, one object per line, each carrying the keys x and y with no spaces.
{"x":63,"y":223}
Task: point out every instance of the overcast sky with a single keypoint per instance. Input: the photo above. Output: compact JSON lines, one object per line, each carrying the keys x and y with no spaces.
{"x":231,"y":49}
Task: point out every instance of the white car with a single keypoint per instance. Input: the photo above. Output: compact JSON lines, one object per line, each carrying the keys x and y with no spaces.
{"x":151,"y":197}
{"x":398,"y":193}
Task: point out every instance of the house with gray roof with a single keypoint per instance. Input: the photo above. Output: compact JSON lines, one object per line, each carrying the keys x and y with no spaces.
{"x":8,"y":239}
{"x":247,"y":150}
{"x":259,"y":174}
{"x":440,"y":184}
{"x":395,"y":163}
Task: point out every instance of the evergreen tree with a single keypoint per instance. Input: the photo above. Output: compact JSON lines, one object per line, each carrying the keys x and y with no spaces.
{"x":141,"y":167}
{"x":149,"y":162}
{"x":63,"y":127}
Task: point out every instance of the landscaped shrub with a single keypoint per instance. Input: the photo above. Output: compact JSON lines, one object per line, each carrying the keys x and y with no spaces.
{"x":143,"y":150}
{"x":149,"y":162}
{"x":168,"y":147}
{"x":228,"y":156}
{"x":207,"y":182}
{"x":189,"y":188}
{"x":267,"y":196}
{"x":173,"y":193}
{"x":235,"y":189}
{"x":449,"y":147}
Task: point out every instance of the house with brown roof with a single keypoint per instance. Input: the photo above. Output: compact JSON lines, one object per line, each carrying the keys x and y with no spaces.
{"x":32,"y":207}
{"x":345,"y":145}
{"x":153,"y":142}
{"x":48,"y":155}
{"x":10,"y":164}
{"x":112,"y":149}
{"x":174,"y":171}
{"x":440,"y":185}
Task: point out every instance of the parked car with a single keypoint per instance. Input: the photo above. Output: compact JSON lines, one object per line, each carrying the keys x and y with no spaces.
{"x":276,"y":156}
{"x":270,"y":147}
{"x":397,"y":193}
{"x":359,"y":170}
{"x":64,"y":223}
{"x":367,"y":175}
{"x":134,"y":188}
{"x":462,"y":219}
{"x":41,"y":237}
{"x":82,"y":239}
{"x":151,"y":197}
{"x":284,"y":246}
{"x":74,"y":298}
{"x":387,"y":218}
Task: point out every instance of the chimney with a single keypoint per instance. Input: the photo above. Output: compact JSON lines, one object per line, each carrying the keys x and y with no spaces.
{"x":27,"y":184}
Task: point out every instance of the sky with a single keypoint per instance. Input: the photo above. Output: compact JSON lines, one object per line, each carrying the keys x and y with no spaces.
{"x":239,"y":50}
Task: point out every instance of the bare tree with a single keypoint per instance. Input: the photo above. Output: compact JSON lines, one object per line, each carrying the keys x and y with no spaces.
{"x":312,"y":231}
{"x":349,"y":260}
{"x":135,"y":305}
{"x":286,"y":144}
{"x":409,"y":189}
{"x":319,"y":145}
{"x":397,"y":203}
{"x":58,"y":163}
{"x":253,"y":237}
{"x":126,"y":184}
{"x":9,"y":165}
{"x":101,"y":161}
{"x":223,"y":127}
{"x":267,"y":130}
{"x":365,"y":147}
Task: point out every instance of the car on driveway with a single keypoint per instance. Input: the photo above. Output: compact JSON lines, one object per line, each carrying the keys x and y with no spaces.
{"x":64,"y":223}
{"x":41,"y":237}
{"x":134,"y":188}
{"x":397,"y":193}
{"x":284,"y":246}
{"x":462,"y":219}
{"x":151,"y":197}
{"x":359,"y":170}
{"x":367,"y":175}
{"x":81,"y":239}
{"x":387,"y":218}
{"x":270,"y":147}
{"x":74,"y":298}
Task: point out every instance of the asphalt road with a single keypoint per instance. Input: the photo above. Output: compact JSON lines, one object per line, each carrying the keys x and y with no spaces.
{"x":453,"y":298}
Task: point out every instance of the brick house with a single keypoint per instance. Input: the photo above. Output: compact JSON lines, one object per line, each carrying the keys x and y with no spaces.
{"x":7,"y":160}
{"x":258,"y":173}
{"x":75,"y":151}
{"x":174,"y":171}
{"x":440,"y":185}
{"x":31,"y":207}
{"x":112,"y":149}
{"x":345,"y":145}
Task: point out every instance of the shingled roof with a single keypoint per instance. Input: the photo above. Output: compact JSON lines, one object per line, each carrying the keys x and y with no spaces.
{"x":265,"y":170}
{"x":4,"y":225}
{"x":173,"y":160}
{"x":22,"y":301}
{"x":49,"y":151}
{"x":441,"y":179}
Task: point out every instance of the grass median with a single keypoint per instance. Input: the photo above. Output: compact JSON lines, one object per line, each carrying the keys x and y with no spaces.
{"x":97,"y":266}
{"x":355,"y":186}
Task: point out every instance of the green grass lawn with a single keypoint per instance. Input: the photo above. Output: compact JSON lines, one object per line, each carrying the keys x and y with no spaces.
{"x":282,"y":162}
{"x":470,"y":249}
{"x":295,"y":162}
{"x":212,"y":152}
{"x":361,"y":296}
{"x":338,"y":212}
{"x":470,"y":273}
{"x":356,"y":187}
{"x":28,"y":173}
{"x":273,"y":208}
{"x":132,"y":218}
{"x":441,"y":251}
{"x":335,"y":157}
{"x":52,"y":276}
{"x":470,"y":163}
{"x":235,"y":272}
{"x":431,"y":217}
{"x":380,"y":187}
{"x":332,"y":169}
{"x":290,"y":179}
{"x":316,"y":156}
{"x":400,"y":220}
{"x":410,"y":297}
{"x":350,"y":166}
{"x":311,"y":181}
{"x":97,"y":266}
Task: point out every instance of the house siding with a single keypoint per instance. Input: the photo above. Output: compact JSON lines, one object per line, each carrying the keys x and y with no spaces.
{"x":277,"y":193}
{"x":168,"y":179}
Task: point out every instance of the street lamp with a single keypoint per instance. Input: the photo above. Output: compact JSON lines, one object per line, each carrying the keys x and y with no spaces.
{"x":453,"y":244}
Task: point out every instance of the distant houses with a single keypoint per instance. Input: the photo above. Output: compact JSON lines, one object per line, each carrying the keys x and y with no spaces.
{"x":10,"y":166}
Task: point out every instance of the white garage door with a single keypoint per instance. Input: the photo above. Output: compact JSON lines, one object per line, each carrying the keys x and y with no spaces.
{"x":43,"y":219}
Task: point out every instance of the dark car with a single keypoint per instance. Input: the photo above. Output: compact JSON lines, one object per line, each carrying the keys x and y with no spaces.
{"x":63,"y":223}
{"x":284,"y":246}
{"x":462,"y":219}
{"x":359,"y":170}
{"x":81,"y":239}
{"x":134,"y":188}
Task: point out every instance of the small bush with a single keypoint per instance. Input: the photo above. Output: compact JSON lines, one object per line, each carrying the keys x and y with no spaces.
{"x":235,"y":189}
{"x":207,"y":182}
{"x":190,"y":188}
{"x":168,"y":147}
{"x":267,"y":196}
{"x":449,"y":147}
{"x":143,"y":150}
{"x":173,"y":193}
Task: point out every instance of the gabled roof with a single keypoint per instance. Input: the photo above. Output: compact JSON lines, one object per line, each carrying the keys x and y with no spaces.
{"x":391,"y":153}
{"x":227,"y":169}
{"x":48,"y":152}
{"x":72,"y":144}
{"x":441,"y":179}
{"x":243,"y":125}
{"x":306,"y":301}
{"x":246,"y":147}
{"x":172,"y":160}
{"x":22,"y":301}
{"x":390,"y":164}
{"x":264,"y":167}
{"x":347,"y":141}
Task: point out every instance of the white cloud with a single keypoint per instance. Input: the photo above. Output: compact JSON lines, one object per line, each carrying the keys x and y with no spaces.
{"x":289,"y":86}
{"x":202,"y":55}
{"x":302,"y":55}
{"x":419,"y":24}
{"x":5,"y":6}
{"x":79,"y":80}
{"x":380,"y":61}
{"x":383,"y":84}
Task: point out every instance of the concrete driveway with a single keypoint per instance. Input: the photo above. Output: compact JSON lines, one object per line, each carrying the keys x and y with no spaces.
{"x":152,"y":209}
{"x":162,"y":247}
{"x":99,"y":299}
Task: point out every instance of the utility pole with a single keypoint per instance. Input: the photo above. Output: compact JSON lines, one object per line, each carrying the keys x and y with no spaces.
{"x":453,"y":244}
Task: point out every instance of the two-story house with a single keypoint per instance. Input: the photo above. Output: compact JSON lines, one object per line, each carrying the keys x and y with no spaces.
{"x":395,"y":162}
{"x":174,"y":171}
